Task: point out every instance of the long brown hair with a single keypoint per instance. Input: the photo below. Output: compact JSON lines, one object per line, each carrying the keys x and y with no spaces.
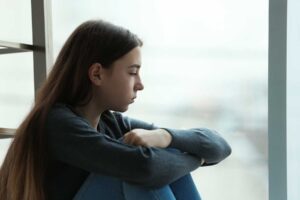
{"x":22,"y":175}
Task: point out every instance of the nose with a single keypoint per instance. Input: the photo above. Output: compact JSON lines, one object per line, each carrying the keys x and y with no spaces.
{"x":139,"y":85}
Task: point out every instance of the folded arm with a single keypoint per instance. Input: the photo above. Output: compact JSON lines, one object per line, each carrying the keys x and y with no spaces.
{"x":203,"y":143}
{"x":73,"y":141}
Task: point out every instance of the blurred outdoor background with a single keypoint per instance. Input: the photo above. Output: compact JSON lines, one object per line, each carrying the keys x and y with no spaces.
{"x":204,"y":65}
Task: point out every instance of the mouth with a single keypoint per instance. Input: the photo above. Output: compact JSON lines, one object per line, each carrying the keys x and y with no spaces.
{"x":132,"y":100}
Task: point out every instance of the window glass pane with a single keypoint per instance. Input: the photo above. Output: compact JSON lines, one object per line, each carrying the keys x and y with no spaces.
{"x":293,"y":99}
{"x":16,"y":88}
{"x":204,"y":65}
{"x":4,"y":145}
{"x":15,"y":21}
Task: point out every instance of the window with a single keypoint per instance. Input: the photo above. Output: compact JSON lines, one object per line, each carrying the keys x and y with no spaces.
{"x":16,"y":69}
{"x":204,"y":64}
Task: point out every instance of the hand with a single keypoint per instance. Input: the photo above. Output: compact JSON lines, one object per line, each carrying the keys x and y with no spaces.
{"x":148,"y":138}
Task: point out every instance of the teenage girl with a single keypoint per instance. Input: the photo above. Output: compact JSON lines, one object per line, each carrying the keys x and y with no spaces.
{"x":76,"y":144}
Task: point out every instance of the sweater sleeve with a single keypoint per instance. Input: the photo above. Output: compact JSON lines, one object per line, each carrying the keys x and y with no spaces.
{"x":200,"y":142}
{"x":72,"y":140}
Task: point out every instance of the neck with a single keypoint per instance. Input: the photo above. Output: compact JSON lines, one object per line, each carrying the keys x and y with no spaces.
{"x":91,"y":113}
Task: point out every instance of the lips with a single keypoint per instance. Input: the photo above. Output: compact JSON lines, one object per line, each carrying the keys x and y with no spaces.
{"x":132,"y":100}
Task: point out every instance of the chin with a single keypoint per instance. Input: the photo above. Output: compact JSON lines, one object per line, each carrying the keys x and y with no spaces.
{"x":122,"y":109}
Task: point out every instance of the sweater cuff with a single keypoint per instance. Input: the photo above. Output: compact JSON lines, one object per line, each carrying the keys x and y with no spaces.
{"x":175,"y":134}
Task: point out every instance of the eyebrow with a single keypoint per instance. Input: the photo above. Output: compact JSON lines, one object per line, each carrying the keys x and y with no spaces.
{"x":134,"y":66}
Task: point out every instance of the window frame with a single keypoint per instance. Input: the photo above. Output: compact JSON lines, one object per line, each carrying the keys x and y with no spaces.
{"x":277,"y":70}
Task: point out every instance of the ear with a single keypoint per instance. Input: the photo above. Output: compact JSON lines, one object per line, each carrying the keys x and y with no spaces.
{"x":95,"y":73}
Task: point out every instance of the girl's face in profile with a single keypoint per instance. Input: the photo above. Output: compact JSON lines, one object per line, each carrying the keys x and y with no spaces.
{"x":122,"y":81}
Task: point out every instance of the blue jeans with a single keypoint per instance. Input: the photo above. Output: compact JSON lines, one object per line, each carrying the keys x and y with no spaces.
{"x":99,"y":187}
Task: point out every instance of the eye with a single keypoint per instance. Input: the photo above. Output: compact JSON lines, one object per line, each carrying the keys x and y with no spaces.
{"x":133,"y":73}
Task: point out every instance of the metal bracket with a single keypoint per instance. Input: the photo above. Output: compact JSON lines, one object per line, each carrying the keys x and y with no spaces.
{"x":11,"y":47}
{"x":7,"y":133}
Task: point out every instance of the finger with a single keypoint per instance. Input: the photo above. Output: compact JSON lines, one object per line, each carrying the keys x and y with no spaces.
{"x":141,"y":142}
{"x":135,"y":140}
{"x":138,"y":141}
{"x":127,"y":137}
{"x":130,"y":139}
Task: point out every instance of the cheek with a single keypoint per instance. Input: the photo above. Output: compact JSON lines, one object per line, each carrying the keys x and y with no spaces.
{"x":125,"y":89}
{"x":122,"y":87}
{"x":125,"y":83}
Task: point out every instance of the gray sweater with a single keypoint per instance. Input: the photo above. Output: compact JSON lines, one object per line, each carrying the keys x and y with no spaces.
{"x":75,"y":149}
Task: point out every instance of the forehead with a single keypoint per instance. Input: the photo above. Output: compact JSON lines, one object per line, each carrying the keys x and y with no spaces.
{"x":130,"y":60}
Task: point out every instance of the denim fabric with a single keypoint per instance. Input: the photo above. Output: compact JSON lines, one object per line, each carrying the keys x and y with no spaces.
{"x":185,"y":189}
{"x":99,"y":187}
